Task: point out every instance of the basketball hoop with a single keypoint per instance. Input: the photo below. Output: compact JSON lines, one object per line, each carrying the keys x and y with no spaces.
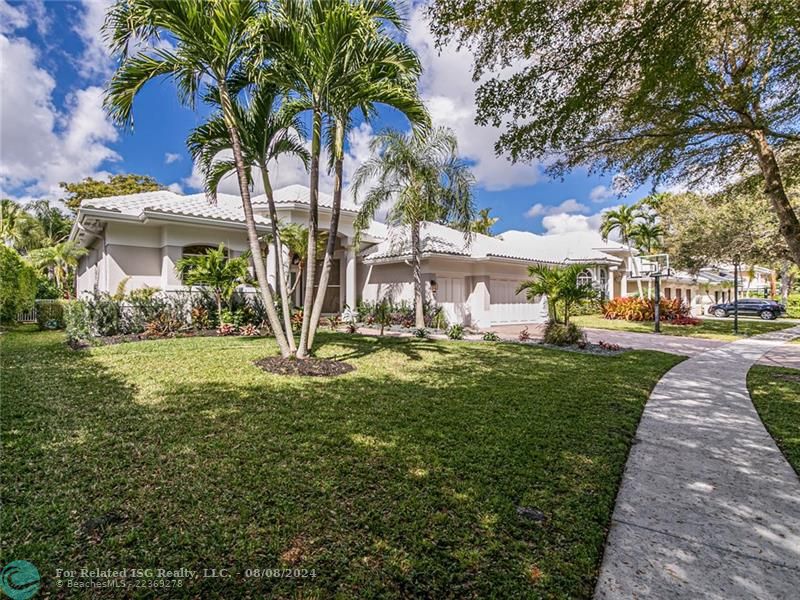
{"x":650,"y":266}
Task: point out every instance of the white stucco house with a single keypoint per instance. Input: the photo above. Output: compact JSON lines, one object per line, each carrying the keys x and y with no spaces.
{"x":138,"y":238}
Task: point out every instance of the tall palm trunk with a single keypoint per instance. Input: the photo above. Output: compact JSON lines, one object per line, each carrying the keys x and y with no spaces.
{"x":333,"y":230}
{"x":279,"y":266}
{"x":313,"y":232}
{"x":252,"y":234}
{"x":419,"y":311}
{"x":788,"y":222}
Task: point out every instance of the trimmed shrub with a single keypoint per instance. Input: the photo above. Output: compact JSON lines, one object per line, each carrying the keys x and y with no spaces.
{"x":18,"y":283}
{"x":77,"y":320}
{"x":635,"y":308}
{"x":559,"y":334}
{"x":491,"y":336}
{"x":421,"y":333}
{"x":793,"y":306}
{"x":50,"y":315}
{"x":455,"y":331}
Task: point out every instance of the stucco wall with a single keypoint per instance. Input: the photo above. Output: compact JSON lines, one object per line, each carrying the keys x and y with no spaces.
{"x":87,"y":278}
{"x":392,"y":281}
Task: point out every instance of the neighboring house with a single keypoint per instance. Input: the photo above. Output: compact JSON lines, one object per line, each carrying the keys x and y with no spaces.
{"x":137,"y":239}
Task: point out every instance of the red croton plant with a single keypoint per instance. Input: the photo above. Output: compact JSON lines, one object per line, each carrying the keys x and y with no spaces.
{"x":643,"y":309}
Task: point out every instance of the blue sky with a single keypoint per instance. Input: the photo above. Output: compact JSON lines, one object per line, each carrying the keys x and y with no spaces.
{"x":54,"y":65}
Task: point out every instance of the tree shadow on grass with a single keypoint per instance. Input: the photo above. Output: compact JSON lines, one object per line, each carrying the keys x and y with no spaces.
{"x":399,"y":479}
{"x":358,"y":346}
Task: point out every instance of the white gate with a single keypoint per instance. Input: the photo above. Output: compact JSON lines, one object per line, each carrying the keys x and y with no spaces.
{"x":450,"y":296}
{"x":507,"y":307}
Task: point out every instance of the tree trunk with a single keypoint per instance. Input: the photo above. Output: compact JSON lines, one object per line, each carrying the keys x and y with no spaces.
{"x":313,"y":232}
{"x":786,"y":282}
{"x":218,"y":296}
{"x":333,"y":230}
{"x":773,"y":188}
{"x":416,"y":265}
{"x":252,"y":234}
{"x":279,"y":267}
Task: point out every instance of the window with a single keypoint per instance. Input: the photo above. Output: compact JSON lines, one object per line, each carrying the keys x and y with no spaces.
{"x":667,"y":293}
{"x":585,"y":278}
{"x":196,"y":250}
{"x":688,"y":297}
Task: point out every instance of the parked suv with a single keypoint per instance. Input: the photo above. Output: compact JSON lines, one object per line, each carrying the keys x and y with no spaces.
{"x":766,"y":309}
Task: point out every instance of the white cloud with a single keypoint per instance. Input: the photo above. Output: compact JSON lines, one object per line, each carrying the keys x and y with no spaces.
{"x":20,"y":16}
{"x":171,"y":157}
{"x":449,"y":93}
{"x":175,"y":188}
{"x":567,"y":206}
{"x":566,"y":223}
{"x":40,"y":145}
{"x":601,"y":193}
{"x":95,"y":61}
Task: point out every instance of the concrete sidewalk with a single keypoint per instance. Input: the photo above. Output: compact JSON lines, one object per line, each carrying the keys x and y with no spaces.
{"x":708,"y":507}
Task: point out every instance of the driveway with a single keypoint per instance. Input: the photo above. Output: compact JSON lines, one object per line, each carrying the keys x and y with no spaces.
{"x":787,"y":355}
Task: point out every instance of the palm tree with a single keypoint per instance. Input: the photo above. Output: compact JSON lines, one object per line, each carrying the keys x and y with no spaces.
{"x":215,"y":270}
{"x":267,"y":134}
{"x":622,"y":220}
{"x":19,"y":229}
{"x":647,"y":237}
{"x":559,"y":284}
{"x":484,"y":223}
{"x":212,"y":42}
{"x":60,"y":259}
{"x":55,"y":224}
{"x":544,"y":281}
{"x":424,"y":178}
{"x":337,"y":56}
{"x":295,"y":239}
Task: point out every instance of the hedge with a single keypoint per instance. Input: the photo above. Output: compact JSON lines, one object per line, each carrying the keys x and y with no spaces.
{"x":18,"y":282}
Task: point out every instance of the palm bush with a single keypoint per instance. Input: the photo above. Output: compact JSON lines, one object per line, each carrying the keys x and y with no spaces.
{"x":215,"y":270}
{"x":560,"y":286}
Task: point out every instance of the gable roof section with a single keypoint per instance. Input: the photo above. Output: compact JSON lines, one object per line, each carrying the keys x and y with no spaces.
{"x":299,"y":194}
{"x":515,"y":245}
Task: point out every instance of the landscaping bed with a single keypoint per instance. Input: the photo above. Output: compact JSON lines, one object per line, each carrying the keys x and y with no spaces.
{"x":707,"y":328}
{"x":432,"y":470}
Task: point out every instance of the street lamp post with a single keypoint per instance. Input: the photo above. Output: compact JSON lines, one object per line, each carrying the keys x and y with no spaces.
{"x":736,"y":294}
{"x":657,"y":307}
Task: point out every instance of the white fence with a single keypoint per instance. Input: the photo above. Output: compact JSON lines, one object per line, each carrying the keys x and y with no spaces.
{"x":518,"y":312}
{"x":29,"y":316}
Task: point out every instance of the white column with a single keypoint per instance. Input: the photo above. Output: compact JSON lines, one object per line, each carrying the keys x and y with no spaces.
{"x":610,"y":283}
{"x":350,"y":279}
{"x":623,"y":285}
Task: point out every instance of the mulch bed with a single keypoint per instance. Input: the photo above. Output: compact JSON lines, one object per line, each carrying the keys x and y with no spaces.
{"x":312,"y":367}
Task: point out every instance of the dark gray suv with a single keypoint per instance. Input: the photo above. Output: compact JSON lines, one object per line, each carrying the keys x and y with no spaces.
{"x":761,"y":307}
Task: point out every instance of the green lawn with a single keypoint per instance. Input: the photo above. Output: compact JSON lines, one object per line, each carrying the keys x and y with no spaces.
{"x":776,"y":396}
{"x":710,"y":328}
{"x":399,"y":479}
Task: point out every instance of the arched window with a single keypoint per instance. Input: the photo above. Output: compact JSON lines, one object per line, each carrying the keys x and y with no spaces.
{"x":585,"y":278}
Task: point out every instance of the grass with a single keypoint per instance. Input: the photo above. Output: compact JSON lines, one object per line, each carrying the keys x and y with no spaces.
{"x":776,"y":395}
{"x":399,"y":479}
{"x":709,"y":328}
